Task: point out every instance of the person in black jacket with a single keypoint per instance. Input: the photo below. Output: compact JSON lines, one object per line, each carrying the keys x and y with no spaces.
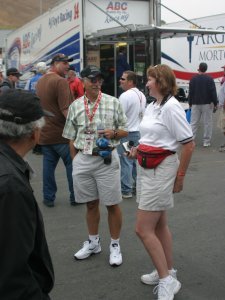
{"x":26,"y":271}
{"x":10,"y":81}
{"x":203,"y":102}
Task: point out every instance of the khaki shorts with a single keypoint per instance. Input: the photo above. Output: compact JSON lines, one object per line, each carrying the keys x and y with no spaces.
{"x":155,"y":186}
{"x":92,"y":179}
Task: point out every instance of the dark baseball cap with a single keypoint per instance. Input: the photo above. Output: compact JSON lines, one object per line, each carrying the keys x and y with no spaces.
{"x":61,"y":57}
{"x":14,"y":72}
{"x":24,"y":107}
{"x":91,"y":72}
{"x":203,"y":67}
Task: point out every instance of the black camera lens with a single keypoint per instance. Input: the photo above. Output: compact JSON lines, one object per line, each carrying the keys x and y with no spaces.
{"x":130,"y":144}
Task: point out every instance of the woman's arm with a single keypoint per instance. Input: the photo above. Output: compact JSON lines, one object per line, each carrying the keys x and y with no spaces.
{"x":185,"y":157}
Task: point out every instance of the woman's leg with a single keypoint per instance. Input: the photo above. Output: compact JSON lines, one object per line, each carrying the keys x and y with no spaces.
{"x":164,"y":235}
{"x":146,"y":225}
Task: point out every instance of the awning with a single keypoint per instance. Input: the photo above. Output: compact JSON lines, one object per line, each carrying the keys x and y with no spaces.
{"x":142,"y":32}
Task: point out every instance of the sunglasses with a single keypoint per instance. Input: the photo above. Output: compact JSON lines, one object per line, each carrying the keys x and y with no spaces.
{"x":121,"y":78}
{"x":95,"y":80}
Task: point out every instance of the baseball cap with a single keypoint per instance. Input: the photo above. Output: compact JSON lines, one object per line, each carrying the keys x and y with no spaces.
{"x":203,"y":67}
{"x":61,"y":57}
{"x":13,"y":71}
{"x":223,"y":67}
{"x":91,"y":72}
{"x":24,"y":107}
{"x":41,"y":66}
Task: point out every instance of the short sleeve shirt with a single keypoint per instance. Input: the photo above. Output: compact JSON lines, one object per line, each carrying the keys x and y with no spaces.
{"x":109,"y":114}
{"x":165,"y":126}
{"x":55,"y":96}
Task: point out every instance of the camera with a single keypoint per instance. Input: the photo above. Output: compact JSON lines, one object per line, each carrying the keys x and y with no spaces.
{"x":103,"y":149}
{"x":127,"y":146}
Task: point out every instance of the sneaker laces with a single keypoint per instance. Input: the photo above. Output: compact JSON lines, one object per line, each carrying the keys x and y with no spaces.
{"x":161,"y":290}
{"x":115,"y":248}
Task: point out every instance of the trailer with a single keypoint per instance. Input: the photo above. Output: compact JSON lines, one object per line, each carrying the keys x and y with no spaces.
{"x":185,"y":54}
{"x":58,"y":30}
{"x":88,"y":31}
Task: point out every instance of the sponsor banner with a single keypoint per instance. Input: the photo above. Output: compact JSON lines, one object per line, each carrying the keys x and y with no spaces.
{"x":125,"y":12}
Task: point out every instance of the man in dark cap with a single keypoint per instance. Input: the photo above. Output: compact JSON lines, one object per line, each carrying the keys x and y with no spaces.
{"x":26,"y":270}
{"x":55,"y":96}
{"x":13,"y":76}
{"x":95,"y":124}
{"x":203,"y":102}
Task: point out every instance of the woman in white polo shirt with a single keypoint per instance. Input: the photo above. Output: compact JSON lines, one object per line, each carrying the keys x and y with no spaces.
{"x":163,"y":130}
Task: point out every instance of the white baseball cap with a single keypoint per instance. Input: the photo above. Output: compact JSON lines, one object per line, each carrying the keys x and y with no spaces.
{"x":41,"y":66}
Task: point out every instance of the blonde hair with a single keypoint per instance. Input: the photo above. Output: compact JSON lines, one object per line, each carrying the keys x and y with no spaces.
{"x":165,"y":79}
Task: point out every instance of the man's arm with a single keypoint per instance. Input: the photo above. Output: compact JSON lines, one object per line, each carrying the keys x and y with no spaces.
{"x":73,"y":150}
{"x":17,"y":238}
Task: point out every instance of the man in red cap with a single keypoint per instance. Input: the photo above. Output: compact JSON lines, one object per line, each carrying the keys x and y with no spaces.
{"x":223,"y":78}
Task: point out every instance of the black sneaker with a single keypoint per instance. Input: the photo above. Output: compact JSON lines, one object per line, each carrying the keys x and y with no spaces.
{"x":48,"y":203}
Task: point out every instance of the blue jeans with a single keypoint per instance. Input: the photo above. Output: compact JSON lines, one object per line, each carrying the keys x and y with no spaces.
{"x":128,"y":166}
{"x":51,"y":156}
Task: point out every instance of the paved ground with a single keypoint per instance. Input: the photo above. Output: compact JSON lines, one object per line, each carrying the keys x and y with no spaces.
{"x":197,"y":223}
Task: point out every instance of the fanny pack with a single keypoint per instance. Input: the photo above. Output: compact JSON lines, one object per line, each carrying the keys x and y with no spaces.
{"x":150,"y":157}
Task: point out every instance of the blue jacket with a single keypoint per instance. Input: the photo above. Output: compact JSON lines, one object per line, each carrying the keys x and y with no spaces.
{"x":202,"y":90}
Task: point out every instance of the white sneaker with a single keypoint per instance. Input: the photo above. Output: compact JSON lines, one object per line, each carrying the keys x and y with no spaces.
{"x":153,"y":278}
{"x":115,"y":258}
{"x":206,"y":144}
{"x":88,"y":249}
{"x":126,"y":196}
{"x":166,"y":291}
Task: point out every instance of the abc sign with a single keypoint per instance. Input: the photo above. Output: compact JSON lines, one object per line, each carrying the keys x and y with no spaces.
{"x":115,"y":6}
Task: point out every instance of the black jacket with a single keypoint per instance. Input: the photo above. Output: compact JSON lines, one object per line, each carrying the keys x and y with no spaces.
{"x":26,"y":271}
{"x":202,"y":90}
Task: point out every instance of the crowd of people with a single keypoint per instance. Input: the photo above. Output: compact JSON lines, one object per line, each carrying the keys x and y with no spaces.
{"x":111,"y":149}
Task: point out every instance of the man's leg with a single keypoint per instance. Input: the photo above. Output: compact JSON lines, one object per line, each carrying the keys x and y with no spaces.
{"x":93,"y":217}
{"x":92,"y":246}
{"x":114,"y":220}
{"x":50,"y":161}
{"x":128,"y":174}
{"x":115,"y":223}
{"x":64,"y":152}
{"x":207,"y":112}
{"x":195,"y":118}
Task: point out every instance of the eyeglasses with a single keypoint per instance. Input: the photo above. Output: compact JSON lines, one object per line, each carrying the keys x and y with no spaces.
{"x":121,"y":78}
{"x":95,"y":80}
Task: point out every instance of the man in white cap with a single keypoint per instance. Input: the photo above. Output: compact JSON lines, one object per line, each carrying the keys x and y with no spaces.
{"x":40,"y":69}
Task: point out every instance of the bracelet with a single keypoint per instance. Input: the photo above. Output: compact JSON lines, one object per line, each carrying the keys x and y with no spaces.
{"x":115,"y":133}
{"x":180,"y":173}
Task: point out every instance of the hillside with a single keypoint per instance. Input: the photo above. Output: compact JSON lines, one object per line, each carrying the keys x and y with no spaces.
{"x":14,"y":14}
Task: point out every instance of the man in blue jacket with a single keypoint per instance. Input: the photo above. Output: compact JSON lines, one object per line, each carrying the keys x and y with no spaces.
{"x":203,"y":102}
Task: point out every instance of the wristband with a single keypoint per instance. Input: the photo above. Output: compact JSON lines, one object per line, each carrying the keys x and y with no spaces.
{"x":180,"y":173}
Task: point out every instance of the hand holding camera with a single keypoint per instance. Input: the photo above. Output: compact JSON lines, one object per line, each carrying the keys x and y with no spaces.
{"x":130,"y":150}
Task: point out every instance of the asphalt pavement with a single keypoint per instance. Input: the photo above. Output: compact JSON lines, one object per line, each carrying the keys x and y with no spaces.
{"x":197,"y":222}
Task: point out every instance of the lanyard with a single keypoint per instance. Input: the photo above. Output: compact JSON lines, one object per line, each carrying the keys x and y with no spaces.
{"x":88,"y":114}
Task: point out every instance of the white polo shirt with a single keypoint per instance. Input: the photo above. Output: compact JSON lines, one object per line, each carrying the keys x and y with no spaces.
{"x":133,"y":102}
{"x":165,"y":126}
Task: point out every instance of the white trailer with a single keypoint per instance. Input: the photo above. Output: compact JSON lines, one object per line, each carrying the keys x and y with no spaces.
{"x":185,"y":54}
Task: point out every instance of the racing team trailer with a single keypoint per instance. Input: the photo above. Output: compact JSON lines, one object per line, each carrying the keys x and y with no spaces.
{"x":58,"y":30}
